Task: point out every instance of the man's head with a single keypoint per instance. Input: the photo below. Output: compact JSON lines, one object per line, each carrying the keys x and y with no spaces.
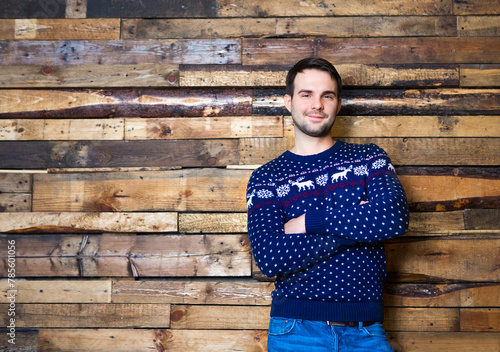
{"x":313,"y":97}
{"x":315,"y":63}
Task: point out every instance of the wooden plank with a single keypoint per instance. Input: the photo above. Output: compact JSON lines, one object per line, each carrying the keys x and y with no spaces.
{"x":478,"y":26}
{"x":256,"y":8}
{"x":206,"y":190}
{"x":403,"y":151}
{"x":76,"y":8}
{"x":436,"y":223}
{"x":111,"y":52}
{"x":372,"y":26}
{"x":15,"y":202}
{"x":412,"y":126}
{"x":352,"y":75}
{"x":95,"y":315}
{"x":477,"y":319}
{"x":480,"y":75}
{"x":62,"y":129}
{"x":374,"y":102}
{"x":421,"y":319}
{"x":145,"y":340}
{"x":227,"y":292}
{"x":140,"y":153}
{"x":89,"y":76}
{"x":212,"y":222}
{"x":25,"y":341}
{"x":482,"y":219}
{"x":151,"y":8}
{"x":194,"y":28}
{"x":87,"y":222}
{"x":407,"y":50}
{"x":476,"y":7}
{"x":124,"y":103}
{"x":444,"y":341}
{"x":441,"y":260}
{"x":59,"y":291}
{"x":32,"y":9}
{"x":203,"y":127}
{"x":59,"y":29}
{"x":219,"y":317}
{"x":15,"y":182}
{"x":132,"y":256}
{"x":442,"y":295}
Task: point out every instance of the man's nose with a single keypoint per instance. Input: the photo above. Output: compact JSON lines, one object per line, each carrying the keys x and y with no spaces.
{"x":317,"y":103}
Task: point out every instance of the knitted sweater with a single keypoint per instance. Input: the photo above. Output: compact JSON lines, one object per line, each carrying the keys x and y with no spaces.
{"x":335,"y":271}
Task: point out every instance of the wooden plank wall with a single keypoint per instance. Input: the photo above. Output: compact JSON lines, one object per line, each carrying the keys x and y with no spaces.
{"x":129,"y":129}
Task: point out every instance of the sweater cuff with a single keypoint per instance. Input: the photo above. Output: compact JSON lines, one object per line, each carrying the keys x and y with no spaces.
{"x":315,"y":222}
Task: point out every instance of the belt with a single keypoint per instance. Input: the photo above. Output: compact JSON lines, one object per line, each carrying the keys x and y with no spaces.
{"x":351,"y":323}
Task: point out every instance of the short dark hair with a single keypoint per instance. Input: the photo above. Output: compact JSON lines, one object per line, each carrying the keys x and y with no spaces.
{"x":312,"y":63}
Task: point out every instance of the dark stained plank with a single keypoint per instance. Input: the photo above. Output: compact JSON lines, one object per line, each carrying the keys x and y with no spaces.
{"x":125,"y":103}
{"x":482,"y":219}
{"x":116,"y":52}
{"x":409,"y":50}
{"x":145,"y":153}
{"x":151,"y":8}
{"x":32,"y":9}
{"x":364,"y":102}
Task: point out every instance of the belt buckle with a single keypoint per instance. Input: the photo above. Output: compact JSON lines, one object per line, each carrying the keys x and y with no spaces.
{"x":343,"y":323}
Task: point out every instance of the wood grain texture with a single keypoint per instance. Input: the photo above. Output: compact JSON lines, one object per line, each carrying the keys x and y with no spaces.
{"x":124,"y":103}
{"x":256,"y":8}
{"x":88,"y":76}
{"x":89,"y":315}
{"x":221,"y":292}
{"x":176,"y":190}
{"x":480,"y":75}
{"x":15,"y":182}
{"x":478,"y":26}
{"x":15,"y":202}
{"x":120,"y":52}
{"x":33,"y":9}
{"x":76,"y":8}
{"x":135,"y":340}
{"x":358,"y":75}
{"x":129,"y":256}
{"x":432,"y":260}
{"x":408,"y":50}
{"x":60,"y":29}
{"x":212,"y":222}
{"x":443,"y":341}
{"x":87,"y":222}
{"x":142,"y":153}
{"x":484,"y":320}
{"x":476,"y":7}
{"x":58,"y":291}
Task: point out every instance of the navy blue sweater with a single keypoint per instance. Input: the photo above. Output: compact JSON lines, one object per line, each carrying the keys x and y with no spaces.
{"x":336,"y":270}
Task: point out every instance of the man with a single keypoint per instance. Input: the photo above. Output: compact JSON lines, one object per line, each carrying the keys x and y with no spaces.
{"x":317,"y":216}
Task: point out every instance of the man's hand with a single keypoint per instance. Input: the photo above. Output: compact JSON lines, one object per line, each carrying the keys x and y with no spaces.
{"x":296,"y":225}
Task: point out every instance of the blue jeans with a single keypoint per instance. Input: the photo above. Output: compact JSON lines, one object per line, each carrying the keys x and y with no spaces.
{"x":296,"y":335}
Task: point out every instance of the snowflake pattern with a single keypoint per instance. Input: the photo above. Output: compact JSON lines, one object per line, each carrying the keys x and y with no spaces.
{"x":283,"y":190}
{"x":378,"y":164}
{"x":322,"y":180}
{"x":264,"y":193}
{"x":361,"y":170}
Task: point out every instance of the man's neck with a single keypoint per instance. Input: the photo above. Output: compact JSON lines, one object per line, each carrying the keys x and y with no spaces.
{"x":307,"y":145}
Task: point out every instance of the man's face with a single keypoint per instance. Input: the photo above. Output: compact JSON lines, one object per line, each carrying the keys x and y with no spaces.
{"x":315,"y":103}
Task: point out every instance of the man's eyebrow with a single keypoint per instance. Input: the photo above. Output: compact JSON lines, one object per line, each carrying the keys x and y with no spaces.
{"x":322,"y":93}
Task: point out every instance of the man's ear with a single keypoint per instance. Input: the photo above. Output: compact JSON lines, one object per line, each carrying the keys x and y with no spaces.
{"x":340,"y":105}
{"x":287,"y":99}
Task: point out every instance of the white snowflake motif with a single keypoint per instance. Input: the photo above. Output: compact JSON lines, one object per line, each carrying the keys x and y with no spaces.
{"x":361,"y":170}
{"x":283,"y":190}
{"x":264,"y":193}
{"x":378,"y":164}
{"x":322,"y":180}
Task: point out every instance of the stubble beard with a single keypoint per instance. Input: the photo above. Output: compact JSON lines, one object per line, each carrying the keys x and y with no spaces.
{"x":311,"y":129}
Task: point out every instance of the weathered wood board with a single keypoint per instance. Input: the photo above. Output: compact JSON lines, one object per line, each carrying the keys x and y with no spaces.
{"x":126,"y":255}
{"x":407,"y":50}
{"x":15,"y":182}
{"x":87,"y":222}
{"x":89,"y":76}
{"x":37,"y":315}
{"x":59,"y":291}
{"x":480,"y":75}
{"x":137,"y":153}
{"x":15,"y":202}
{"x":111,"y":52}
{"x":32,"y":9}
{"x":57,"y":29}
{"x":476,"y":7}
{"x":124,"y":103}
{"x":478,"y":26}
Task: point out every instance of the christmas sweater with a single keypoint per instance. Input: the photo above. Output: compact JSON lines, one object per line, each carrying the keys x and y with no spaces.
{"x":335,"y":271}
